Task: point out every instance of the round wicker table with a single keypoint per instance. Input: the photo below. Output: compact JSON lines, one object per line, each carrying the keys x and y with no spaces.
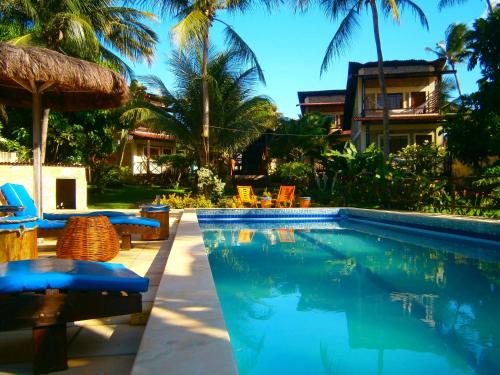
{"x":88,"y":238}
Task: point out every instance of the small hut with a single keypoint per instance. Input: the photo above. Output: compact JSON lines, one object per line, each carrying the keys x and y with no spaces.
{"x":42,"y":78}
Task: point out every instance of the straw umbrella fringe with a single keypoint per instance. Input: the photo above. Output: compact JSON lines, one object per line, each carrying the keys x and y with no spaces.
{"x":30,"y":75}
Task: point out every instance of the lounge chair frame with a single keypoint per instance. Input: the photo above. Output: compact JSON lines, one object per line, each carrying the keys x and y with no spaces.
{"x":48,"y":312}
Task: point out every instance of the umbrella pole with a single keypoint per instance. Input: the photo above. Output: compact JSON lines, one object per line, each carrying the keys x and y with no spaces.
{"x":37,"y":152}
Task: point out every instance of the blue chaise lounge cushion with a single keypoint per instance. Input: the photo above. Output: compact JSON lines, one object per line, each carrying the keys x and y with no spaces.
{"x":52,"y":273}
{"x":16,"y":195}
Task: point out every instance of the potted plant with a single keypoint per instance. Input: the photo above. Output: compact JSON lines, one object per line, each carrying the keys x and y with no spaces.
{"x":266,"y":200}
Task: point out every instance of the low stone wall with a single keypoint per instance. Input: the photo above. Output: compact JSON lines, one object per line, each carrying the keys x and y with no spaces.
{"x":23,"y":174}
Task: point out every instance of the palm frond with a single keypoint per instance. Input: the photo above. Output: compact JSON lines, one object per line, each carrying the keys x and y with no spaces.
{"x":341,"y":38}
{"x":446,"y":3}
{"x":391,"y":7}
{"x":242,"y":49}
{"x":415,"y":9}
{"x":191,"y":29}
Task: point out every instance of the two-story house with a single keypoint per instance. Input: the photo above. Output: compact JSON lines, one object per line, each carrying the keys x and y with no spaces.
{"x":414,"y":96}
{"x":329,"y":103}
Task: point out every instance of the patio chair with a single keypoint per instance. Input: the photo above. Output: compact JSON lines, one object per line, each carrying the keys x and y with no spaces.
{"x":286,"y":196}
{"x":286,"y":235}
{"x":245,"y":236}
{"x":246,"y":195}
{"x":45,"y":294}
{"x":125,"y":225}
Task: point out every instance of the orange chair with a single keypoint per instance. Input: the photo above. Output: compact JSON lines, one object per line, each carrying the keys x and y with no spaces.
{"x":286,"y":235}
{"x":286,"y":196}
{"x":246,"y":196}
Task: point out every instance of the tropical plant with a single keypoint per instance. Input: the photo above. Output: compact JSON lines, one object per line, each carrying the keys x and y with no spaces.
{"x":349,"y":11}
{"x":295,"y":173}
{"x":209,"y":184}
{"x":453,"y":49}
{"x":295,"y":139}
{"x":92,"y":30}
{"x":240,"y":117}
{"x":474,"y":133}
{"x":192,"y":34}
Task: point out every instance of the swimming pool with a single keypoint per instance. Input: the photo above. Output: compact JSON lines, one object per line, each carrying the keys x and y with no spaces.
{"x":341,"y":295}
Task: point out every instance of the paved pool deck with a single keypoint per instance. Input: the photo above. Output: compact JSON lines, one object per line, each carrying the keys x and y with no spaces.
{"x":99,"y":346}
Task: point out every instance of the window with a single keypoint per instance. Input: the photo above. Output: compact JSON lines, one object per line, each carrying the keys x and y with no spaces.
{"x":398,"y":141}
{"x":417,"y":99}
{"x":420,"y":139}
{"x":395,"y":101}
{"x":167,"y":151}
{"x":153,"y":151}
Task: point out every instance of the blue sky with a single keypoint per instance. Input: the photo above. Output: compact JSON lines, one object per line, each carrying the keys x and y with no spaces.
{"x":290,"y":46}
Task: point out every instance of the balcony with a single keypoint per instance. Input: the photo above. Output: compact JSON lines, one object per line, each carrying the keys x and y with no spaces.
{"x":402,"y":105}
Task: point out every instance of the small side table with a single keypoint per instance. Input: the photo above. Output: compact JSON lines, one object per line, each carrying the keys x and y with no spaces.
{"x":18,"y":238}
{"x":88,"y":238}
{"x":160,"y":212}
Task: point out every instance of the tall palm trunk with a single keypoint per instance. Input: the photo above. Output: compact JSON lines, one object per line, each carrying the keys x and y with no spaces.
{"x":45,"y":129}
{"x":205,"y":101}
{"x":457,"y":81}
{"x":381,"y":78}
{"x":490,"y":6}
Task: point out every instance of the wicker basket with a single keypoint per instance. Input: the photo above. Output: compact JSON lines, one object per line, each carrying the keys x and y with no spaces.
{"x":88,"y":238}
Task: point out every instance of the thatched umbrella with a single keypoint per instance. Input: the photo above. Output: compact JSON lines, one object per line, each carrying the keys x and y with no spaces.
{"x":42,"y":78}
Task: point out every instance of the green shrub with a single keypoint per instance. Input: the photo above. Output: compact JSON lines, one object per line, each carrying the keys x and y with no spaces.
{"x":295,"y":173}
{"x":186,"y":201}
{"x":210,"y":185}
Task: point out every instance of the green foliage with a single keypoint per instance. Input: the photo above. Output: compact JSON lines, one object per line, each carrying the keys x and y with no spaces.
{"x":186,"y":201}
{"x":474,"y":134}
{"x":105,"y":175}
{"x":229,"y":202}
{"x":426,"y":159}
{"x":295,"y":173}
{"x":240,"y":118}
{"x":209,"y":184}
{"x":92,"y":30}
{"x":311,"y":128}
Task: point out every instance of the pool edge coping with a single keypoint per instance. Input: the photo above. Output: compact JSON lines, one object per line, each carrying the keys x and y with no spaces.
{"x":186,"y":331}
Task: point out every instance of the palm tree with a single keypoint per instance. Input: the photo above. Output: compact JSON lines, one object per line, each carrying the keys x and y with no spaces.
{"x":237,"y":117}
{"x":446,"y":3}
{"x":453,"y":49}
{"x":88,"y":29}
{"x":350,"y":11}
{"x":196,"y":18}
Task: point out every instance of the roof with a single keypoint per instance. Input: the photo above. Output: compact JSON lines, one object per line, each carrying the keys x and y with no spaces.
{"x":145,"y":133}
{"x":355,"y":67}
{"x":303,"y":95}
{"x":67,"y":83}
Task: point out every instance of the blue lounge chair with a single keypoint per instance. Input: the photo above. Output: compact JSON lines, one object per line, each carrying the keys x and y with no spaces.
{"x":47,"y":293}
{"x":51,"y":225}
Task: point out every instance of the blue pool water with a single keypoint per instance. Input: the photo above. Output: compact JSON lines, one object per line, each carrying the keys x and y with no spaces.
{"x":353,"y":298}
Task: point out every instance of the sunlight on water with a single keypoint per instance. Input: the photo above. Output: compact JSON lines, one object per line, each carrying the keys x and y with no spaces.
{"x":355,"y":299}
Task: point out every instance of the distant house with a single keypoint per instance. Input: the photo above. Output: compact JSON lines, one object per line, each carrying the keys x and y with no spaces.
{"x":143,"y":146}
{"x":414,"y":97}
{"x":413,"y":88}
{"x":329,"y":103}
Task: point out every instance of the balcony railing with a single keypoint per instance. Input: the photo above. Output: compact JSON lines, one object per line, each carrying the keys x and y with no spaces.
{"x":431,"y":105}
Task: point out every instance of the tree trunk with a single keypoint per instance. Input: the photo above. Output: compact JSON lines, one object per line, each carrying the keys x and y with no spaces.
{"x":45,"y":129}
{"x":490,"y":6}
{"x":37,"y":160}
{"x":457,"y":82}
{"x":205,"y":101}
{"x":381,"y":78}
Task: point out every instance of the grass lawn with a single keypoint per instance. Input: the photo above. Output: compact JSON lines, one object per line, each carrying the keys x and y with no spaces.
{"x":129,"y":196}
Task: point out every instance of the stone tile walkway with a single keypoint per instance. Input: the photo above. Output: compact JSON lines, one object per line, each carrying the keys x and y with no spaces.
{"x":99,"y":346}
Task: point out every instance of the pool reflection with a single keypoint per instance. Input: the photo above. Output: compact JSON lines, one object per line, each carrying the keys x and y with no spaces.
{"x":352,"y":300}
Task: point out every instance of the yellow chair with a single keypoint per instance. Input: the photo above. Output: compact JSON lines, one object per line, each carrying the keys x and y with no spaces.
{"x":245,"y":236}
{"x":246,"y":196}
{"x":286,"y":196}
